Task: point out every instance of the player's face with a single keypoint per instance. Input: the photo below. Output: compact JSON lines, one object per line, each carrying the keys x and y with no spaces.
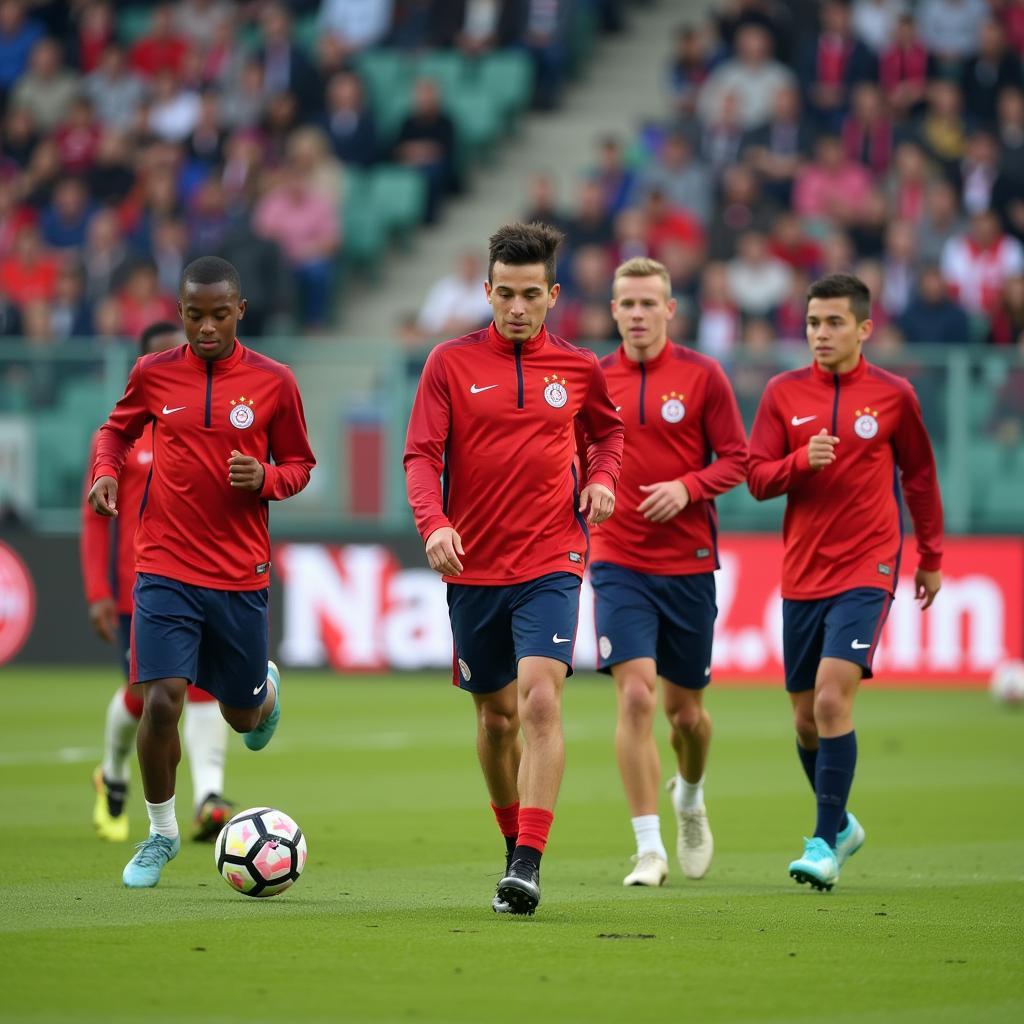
{"x":642,"y":311}
{"x":210,"y":313}
{"x":834,"y":334}
{"x":520,"y":298}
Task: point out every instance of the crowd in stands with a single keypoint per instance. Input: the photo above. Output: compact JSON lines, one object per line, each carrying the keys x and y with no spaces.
{"x":136,"y":136}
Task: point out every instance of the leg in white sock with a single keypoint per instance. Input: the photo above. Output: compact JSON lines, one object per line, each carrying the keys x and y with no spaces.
{"x":647,"y":829}
{"x":118,"y":739}
{"x":162,"y":820}
{"x":206,"y":743}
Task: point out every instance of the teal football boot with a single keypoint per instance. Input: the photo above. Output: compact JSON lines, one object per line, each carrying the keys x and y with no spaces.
{"x":818,"y":866}
{"x":143,"y":870}
{"x":850,"y":840}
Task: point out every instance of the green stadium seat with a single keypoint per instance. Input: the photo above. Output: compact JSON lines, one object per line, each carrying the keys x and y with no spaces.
{"x":447,"y":68}
{"x":478,"y":123}
{"x":365,"y":231}
{"x":506,"y":76}
{"x":385,"y":75}
{"x":399,"y":194}
{"x":62,"y":448}
{"x":133,"y":23}
{"x":306,"y":32}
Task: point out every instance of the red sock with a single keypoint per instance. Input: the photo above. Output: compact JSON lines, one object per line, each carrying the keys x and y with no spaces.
{"x":534,"y":826}
{"x":508,"y":819}
{"x":133,"y":701}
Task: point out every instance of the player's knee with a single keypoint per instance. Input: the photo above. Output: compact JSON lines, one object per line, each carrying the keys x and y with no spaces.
{"x":829,"y":706}
{"x":638,"y":698}
{"x":498,"y":724}
{"x":540,"y":705}
{"x":806,"y":729}
{"x":687,"y":717}
{"x":163,"y":707}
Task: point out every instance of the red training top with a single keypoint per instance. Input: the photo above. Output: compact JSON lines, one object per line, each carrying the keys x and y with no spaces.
{"x":497,"y":418}
{"x":844,"y":526}
{"x":194,"y":526}
{"x":678,"y":409}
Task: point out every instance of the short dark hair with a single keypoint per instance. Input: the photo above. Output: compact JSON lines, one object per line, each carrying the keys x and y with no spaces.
{"x":211,"y":270}
{"x":843,"y":286}
{"x":154,"y":330}
{"x":517,"y":245}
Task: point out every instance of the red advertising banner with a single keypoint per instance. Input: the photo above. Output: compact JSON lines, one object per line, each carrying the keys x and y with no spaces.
{"x":355,"y":608}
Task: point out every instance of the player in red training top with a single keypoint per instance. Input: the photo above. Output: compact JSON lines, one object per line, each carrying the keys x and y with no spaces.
{"x":108,"y":571}
{"x":831,"y":437}
{"x":202,"y":548}
{"x":495,"y":417}
{"x":653,"y":564}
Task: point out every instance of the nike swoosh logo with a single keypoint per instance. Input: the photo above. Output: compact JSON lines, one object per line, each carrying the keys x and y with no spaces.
{"x":260,"y":687}
{"x":474,"y":390}
{"x":858,"y":646}
{"x":797,"y":420}
{"x":556,"y":639}
{"x":177,"y":408}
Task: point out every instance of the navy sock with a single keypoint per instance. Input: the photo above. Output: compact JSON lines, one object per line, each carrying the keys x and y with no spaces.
{"x":837,"y":759}
{"x":809,"y":761}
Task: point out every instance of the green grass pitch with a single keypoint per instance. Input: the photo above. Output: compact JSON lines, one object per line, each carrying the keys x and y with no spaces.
{"x":392,"y":919}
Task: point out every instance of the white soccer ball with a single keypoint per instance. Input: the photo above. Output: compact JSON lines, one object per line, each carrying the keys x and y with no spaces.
{"x":1007,"y":683}
{"x":260,"y":852}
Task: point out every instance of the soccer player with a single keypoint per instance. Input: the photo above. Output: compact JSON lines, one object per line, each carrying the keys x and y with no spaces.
{"x":202,"y":549}
{"x":495,"y":415}
{"x":108,"y":571}
{"x":654,"y":562}
{"x":837,"y":438}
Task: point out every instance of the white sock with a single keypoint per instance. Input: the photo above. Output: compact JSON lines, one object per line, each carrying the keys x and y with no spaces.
{"x":206,"y":742}
{"x":162,"y":820}
{"x":118,"y":739}
{"x":688,"y":796}
{"x":647,"y":829}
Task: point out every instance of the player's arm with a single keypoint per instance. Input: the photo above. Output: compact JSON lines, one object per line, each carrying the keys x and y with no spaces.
{"x":425,"y":441}
{"x":114,"y":441}
{"x":94,"y":554}
{"x":773,"y":468}
{"x":291,"y":460}
{"x":603,"y":438}
{"x":916,"y":461}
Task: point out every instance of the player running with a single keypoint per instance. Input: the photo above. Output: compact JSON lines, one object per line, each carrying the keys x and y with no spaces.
{"x":108,"y":571}
{"x":202,"y":551}
{"x":653,"y":564}
{"x":831,"y":437}
{"x":495,"y":416}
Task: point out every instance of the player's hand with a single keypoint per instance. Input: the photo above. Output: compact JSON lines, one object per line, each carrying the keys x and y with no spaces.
{"x":597,"y":503}
{"x":245,"y":472}
{"x":665,"y":499}
{"x":103,"y":616}
{"x":444,"y":546}
{"x":821,"y":449}
{"x":926,"y":585}
{"x":103,"y":496}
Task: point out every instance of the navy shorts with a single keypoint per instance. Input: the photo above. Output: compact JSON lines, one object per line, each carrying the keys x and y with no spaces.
{"x":493,"y":627}
{"x":845,"y":626}
{"x":668,"y":618}
{"x":220,"y":636}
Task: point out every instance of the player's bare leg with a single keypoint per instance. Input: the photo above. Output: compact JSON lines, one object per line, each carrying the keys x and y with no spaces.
{"x":540,"y":683}
{"x":691,"y":739}
{"x":636,"y":687}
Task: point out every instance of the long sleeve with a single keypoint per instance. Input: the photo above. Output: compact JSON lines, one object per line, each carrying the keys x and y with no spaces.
{"x":916,"y":462}
{"x":774,"y":470}
{"x":603,"y":432}
{"x":723,"y":428}
{"x":94,"y":543}
{"x":425,"y":442}
{"x":123,"y":428}
{"x":289,"y":447}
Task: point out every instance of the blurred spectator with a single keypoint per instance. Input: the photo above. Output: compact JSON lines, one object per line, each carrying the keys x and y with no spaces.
{"x":1011,"y":137}
{"x":456,"y":304}
{"x":867,"y":229}
{"x":70,"y":315}
{"x":116,"y":92}
{"x":169,"y":250}
{"x":585,"y":286}
{"x":105,"y":254}
{"x":201,"y":21}
{"x":285,"y":67}
{"x":18,"y":36}
{"x":281,"y":117}
{"x":41,"y":175}
{"x":173,"y":108}
{"x":65,"y":221}
{"x":355,"y":25}
{"x":594,"y":325}
{"x":475,"y":28}
{"x":874,"y":21}
{"x":106,"y":320}
{"x":903,"y":69}
{"x":207,"y":219}
{"x":270,"y":287}
{"x":976,"y":265}
{"x":870,"y":272}
{"x":548,"y":24}
{"x":47,"y":89}
{"x":349,"y":120}
{"x":867,"y":130}
{"x":1008,"y":319}
{"x":590,"y":223}
{"x":978,"y":172}
{"x":689,"y":67}
{"x":758,"y":282}
{"x":206,"y":142}
{"x":899,"y":268}
{"x":161,"y":48}
{"x":141,"y":301}
{"x":616,"y":177}
{"x":667,"y":224}
{"x":831,"y":188}
{"x":243,"y":161}
{"x":310,"y":152}
{"x":13,"y":217}
{"x":932,"y":317}
{"x":987,"y":74}
{"x":36,"y":325}
{"x":791,"y":244}
{"x":721,"y":139}
{"x":78,"y":138}
{"x":942,"y":130}
{"x":543,"y":204}
{"x":426,"y":141}
{"x":791,"y":316}
{"x":752,"y":76}
{"x":243,"y":103}
{"x":907,"y":183}
{"x":718,"y":323}
{"x":30,"y":272}
{"x":776,"y":149}
{"x":95,"y":32}
{"x":940,"y":220}
{"x":10,"y":317}
{"x":837,"y":253}
{"x":741,"y":208}
{"x":683,"y":263}
{"x":19,"y":139}
{"x":305,"y":222}
{"x":111,"y":175}
{"x":631,"y":236}
{"x":1011,"y":13}
{"x":679,"y":176}
{"x":951,"y":29}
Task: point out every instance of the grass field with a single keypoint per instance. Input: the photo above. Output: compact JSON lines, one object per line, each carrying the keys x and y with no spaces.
{"x":392,"y":919}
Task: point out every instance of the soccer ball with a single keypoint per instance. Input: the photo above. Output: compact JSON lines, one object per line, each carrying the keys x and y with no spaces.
{"x":1007,"y":683}
{"x":260,"y":852}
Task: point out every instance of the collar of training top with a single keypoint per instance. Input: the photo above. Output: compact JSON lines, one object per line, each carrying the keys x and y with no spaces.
{"x":219,"y":365}
{"x":502,"y":343}
{"x":828,"y":377}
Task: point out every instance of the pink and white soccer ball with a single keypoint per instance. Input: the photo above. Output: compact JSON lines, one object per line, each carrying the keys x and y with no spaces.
{"x":260,"y":852}
{"x":1007,"y":683}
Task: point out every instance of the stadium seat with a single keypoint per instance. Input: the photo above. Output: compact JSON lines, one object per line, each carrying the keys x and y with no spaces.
{"x":306,"y":33}
{"x":447,"y":68}
{"x":386,"y":76}
{"x":365,"y":234}
{"x":478,"y":123}
{"x":133,"y":24}
{"x":399,"y":195}
{"x":507,"y":77}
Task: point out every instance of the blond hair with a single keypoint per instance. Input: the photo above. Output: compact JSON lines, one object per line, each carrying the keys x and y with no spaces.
{"x":644,"y":266}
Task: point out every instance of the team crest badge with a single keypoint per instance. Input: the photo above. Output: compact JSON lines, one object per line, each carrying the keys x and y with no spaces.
{"x":464,"y":671}
{"x":241,"y":414}
{"x":554,"y":392}
{"x":672,"y":408}
{"x":866,"y":423}
{"x":604,"y":647}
